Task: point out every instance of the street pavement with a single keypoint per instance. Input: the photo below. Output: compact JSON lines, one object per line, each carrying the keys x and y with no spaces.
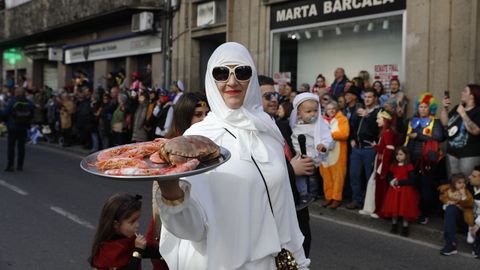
{"x":50,"y":210}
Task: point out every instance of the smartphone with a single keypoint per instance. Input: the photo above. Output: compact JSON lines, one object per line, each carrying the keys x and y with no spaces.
{"x":446,"y":94}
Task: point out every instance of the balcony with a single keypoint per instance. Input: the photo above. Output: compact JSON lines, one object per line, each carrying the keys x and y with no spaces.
{"x":40,"y":18}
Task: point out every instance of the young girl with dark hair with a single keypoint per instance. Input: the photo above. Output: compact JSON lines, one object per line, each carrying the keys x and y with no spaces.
{"x":191,"y":108}
{"x":402,"y":198}
{"x":117,"y":245}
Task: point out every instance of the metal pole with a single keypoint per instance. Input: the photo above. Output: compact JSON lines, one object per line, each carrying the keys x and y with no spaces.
{"x":168,"y":45}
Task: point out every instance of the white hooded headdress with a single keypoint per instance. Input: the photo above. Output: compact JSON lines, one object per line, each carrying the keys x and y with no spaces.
{"x":249,"y":119}
{"x":322,"y":131}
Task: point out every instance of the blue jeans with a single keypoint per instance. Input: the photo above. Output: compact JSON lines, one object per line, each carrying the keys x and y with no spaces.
{"x":361,"y":158}
{"x":453,"y":216}
{"x":307,"y":185}
{"x":95,"y":141}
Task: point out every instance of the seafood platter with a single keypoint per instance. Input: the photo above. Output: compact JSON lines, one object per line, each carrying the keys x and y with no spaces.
{"x":160,"y":159}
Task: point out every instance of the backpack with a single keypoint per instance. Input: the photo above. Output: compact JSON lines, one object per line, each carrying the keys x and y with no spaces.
{"x":21,"y":113}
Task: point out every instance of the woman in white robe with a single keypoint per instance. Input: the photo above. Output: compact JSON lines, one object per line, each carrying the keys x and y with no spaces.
{"x":227,"y":218}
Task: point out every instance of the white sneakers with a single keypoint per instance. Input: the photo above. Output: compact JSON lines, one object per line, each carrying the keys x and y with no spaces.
{"x":470,"y":238}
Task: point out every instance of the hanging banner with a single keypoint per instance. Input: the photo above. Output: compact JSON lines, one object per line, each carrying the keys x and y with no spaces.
{"x":295,"y":13}
{"x":385,"y":73}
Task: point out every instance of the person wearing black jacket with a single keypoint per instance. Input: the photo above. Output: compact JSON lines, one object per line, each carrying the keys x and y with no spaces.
{"x":296,"y":165}
{"x":363,"y":135}
{"x":19,"y":114}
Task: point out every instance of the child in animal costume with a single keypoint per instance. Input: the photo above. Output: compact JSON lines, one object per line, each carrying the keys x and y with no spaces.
{"x":334,"y":168}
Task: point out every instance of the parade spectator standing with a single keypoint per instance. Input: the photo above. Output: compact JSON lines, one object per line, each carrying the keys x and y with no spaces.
{"x":320,"y":86}
{"x":67,"y":109}
{"x":160,"y":112}
{"x":53,"y":119}
{"x":119,"y":128}
{"x":297,"y":164}
{"x":365,"y":76}
{"x":105,"y":113}
{"x":338,"y":85}
{"x":463,"y":127}
{"x":352,"y":104}
{"x":380,"y":90}
{"x":139,"y":133}
{"x":39,"y":102}
{"x":176,"y":92}
{"x":334,"y":168}
{"x":364,"y":132}
{"x":304,"y":87}
{"x":19,"y":114}
{"x":149,"y":117}
{"x":84,"y":119}
{"x":401,"y":200}
{"x":197,"y":212}
{"x":385,"y":149}
{"x":424,"y":135}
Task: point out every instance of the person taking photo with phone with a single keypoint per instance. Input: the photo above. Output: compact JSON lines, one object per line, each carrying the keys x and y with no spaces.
{"x":463,"y":130}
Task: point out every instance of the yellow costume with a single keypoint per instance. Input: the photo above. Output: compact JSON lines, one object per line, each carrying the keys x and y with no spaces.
{"x":334,"y":168}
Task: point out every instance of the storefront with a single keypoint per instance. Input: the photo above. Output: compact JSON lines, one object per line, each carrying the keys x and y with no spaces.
{"x":312,"y":37}
{"x":127,"y":53}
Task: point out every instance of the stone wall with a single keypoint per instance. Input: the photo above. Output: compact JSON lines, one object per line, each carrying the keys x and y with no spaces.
{"x":41,"y":15}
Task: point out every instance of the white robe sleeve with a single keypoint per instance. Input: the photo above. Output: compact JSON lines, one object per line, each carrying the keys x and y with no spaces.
{"x":185,"y":221}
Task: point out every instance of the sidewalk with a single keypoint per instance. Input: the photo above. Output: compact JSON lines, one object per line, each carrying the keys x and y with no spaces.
{"x":431,"y":233}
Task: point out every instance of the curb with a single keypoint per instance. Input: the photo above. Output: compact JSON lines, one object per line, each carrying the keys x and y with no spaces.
{"x":431,"y":233}
{"x":72,"y":149}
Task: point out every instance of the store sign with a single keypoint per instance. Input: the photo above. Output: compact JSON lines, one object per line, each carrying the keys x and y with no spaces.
{"x":312,"y":11}
{"x":12,"y":56}
{"x":385,"y":73}
{"x":113,"y":49}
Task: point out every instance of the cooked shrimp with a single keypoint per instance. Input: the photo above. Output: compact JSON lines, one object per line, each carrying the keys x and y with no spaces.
{"x":135,"y":171}
{"x":117,"y":163}
{"x":112,"y":153}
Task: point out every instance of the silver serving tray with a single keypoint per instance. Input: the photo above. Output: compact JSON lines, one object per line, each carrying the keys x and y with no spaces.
{"x":88,"y":162}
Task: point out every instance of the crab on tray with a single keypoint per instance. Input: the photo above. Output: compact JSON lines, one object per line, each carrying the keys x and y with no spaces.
{"x":160,"y":158}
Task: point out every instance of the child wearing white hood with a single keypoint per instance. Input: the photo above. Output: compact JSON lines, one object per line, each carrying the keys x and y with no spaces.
{"x":306,"y":119}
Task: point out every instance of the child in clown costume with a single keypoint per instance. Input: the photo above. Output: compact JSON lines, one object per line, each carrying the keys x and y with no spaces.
{"x":424,"y":135}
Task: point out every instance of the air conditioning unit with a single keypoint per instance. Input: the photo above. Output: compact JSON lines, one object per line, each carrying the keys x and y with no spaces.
{"x":142,"y":21}
{"x":55,"y":54}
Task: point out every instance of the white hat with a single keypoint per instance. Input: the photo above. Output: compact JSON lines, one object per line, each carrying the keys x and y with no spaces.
{"x":180,"y":85}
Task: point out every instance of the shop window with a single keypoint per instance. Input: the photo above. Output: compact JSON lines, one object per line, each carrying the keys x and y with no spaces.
{"x":355,"y":46}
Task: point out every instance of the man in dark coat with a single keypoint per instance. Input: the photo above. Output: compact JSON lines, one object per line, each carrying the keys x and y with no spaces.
{"x":18,"y":114}
{"x":296,"y":165}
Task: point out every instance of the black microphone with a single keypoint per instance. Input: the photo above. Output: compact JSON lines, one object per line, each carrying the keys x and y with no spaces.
{"x":301,"y":141}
